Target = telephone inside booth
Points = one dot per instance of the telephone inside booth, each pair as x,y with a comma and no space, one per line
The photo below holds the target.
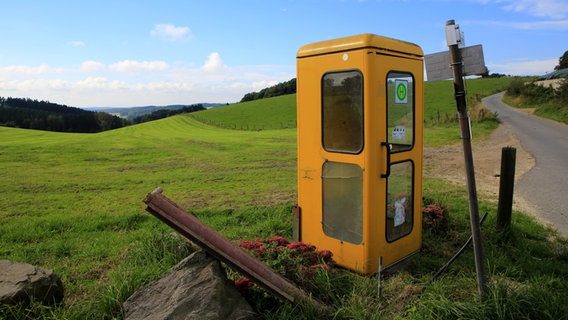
360,141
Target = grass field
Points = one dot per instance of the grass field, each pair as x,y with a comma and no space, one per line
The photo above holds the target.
73,203
264,114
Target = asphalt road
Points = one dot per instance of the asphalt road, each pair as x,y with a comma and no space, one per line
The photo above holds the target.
545,186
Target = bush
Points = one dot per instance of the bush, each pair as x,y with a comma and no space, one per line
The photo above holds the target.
562,91
296,261
549,102
516,87
533,93
310,269
435,219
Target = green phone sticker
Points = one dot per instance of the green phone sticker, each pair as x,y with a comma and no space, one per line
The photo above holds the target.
401,91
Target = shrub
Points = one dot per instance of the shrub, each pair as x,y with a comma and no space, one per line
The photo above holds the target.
562,91
296,261
531,92
435,219
516,87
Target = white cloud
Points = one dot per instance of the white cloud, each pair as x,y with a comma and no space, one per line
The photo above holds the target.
542,25
132,67
92,66
170,32
33,86
533,25
26,71
524,68
214,63
98,83
77,43
94,84
553,13
554,9
259,85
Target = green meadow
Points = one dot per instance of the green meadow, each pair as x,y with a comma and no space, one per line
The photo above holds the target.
73,203
264,114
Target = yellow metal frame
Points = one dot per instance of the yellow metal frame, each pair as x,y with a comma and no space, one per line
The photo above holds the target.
374,56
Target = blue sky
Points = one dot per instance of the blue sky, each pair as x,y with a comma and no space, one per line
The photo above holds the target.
133,53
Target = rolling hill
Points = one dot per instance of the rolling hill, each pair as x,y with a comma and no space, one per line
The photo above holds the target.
133,112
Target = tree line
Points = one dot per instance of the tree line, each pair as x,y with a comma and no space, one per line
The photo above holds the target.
562,61
164,113
44,115
282,88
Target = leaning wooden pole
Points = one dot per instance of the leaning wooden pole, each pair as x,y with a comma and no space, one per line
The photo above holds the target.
221,248
453,37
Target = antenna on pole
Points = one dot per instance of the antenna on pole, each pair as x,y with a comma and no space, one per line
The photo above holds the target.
454,37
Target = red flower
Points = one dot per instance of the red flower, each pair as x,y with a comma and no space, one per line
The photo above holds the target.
243,284
433,210
300,246
310,256
325,255
280,241
297,260
251,244
259,251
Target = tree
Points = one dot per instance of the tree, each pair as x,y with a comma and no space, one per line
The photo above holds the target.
283,88
163,113
562,62
44,115
562,91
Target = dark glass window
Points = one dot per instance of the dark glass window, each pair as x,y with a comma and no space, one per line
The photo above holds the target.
342,111
400,110
400,207
343,201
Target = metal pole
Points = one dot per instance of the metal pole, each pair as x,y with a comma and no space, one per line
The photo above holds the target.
223,249
453,38
379,274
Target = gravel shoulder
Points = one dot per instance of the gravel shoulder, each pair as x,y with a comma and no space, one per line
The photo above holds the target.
448,163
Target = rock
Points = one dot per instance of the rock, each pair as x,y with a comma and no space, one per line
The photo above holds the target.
21,282
196,288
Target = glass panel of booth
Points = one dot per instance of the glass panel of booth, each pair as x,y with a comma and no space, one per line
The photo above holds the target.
399,200
342,196
342,111
400,110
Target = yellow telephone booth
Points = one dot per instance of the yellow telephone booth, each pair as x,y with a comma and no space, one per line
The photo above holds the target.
360,124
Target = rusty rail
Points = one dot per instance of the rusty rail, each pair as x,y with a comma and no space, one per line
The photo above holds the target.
215,244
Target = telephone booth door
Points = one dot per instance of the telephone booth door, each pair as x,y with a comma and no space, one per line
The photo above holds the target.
360,119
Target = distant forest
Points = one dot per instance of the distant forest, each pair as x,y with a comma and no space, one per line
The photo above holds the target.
44,115
282,88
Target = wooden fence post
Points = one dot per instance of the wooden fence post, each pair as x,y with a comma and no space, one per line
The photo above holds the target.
506,187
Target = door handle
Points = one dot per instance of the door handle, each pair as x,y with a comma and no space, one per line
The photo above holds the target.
388,147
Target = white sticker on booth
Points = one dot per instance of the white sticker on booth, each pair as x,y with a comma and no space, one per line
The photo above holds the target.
400,212
399,133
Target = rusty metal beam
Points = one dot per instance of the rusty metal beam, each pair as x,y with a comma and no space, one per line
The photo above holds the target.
218,246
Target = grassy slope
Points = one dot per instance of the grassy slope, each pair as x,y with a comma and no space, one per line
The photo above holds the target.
265,114
72,202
